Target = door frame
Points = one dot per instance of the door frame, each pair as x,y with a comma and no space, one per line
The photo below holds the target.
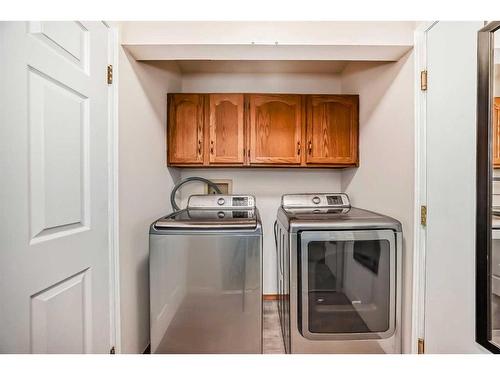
113,203
484,169
420,192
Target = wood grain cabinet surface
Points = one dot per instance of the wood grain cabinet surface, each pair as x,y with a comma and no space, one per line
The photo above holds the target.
496,132
226,129
185,129
262,130
332,129
275,123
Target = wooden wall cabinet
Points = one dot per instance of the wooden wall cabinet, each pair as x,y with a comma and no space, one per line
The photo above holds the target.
259,130
332,129
185,129
496,132
226,129
275,123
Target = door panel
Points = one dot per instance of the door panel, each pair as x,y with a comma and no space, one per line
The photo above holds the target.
185,129
55,331
226,129
275,129
332,129
54,158
58,127
68,38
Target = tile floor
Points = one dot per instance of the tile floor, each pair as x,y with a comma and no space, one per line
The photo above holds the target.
273,342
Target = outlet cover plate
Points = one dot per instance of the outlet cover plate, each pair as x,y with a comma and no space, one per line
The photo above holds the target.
225,186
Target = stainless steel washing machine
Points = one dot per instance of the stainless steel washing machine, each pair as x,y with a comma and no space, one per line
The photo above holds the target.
339,276
206,277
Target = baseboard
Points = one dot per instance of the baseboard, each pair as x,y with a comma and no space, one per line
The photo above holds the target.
270,297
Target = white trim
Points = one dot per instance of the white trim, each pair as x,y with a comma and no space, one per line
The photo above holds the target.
420,193
113,206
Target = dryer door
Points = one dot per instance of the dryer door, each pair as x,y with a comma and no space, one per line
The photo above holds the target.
348,284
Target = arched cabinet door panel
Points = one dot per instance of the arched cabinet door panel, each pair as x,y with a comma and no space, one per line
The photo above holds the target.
332,129
185,128
275,125
226,129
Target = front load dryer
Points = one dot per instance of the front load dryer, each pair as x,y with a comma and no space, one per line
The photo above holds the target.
339,276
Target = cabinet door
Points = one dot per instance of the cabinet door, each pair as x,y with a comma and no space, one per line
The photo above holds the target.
226,129
496,132
332,129
275,129
185,129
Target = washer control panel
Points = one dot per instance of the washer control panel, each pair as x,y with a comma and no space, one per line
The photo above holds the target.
324,200
221,201
222,214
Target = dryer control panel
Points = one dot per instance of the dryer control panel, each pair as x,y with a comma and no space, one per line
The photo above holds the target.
324,200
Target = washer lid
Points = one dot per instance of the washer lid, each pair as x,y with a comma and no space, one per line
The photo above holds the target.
209,219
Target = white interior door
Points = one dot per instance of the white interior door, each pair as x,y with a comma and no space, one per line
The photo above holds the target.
54,258
451,171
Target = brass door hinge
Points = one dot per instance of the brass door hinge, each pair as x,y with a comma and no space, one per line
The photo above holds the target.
423,215
423,80
421,346
110,74
112,350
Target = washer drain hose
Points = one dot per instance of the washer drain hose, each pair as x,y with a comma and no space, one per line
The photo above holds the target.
175,207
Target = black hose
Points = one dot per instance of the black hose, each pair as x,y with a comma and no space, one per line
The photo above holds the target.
189,179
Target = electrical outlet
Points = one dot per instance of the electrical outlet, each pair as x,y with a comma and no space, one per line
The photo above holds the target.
225,186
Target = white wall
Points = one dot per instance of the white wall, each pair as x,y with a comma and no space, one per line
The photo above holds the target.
384,180
307,33
305,83
329,40
144,185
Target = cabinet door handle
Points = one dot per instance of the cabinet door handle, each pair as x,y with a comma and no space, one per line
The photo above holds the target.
310,147
212,147
199,146
298,148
